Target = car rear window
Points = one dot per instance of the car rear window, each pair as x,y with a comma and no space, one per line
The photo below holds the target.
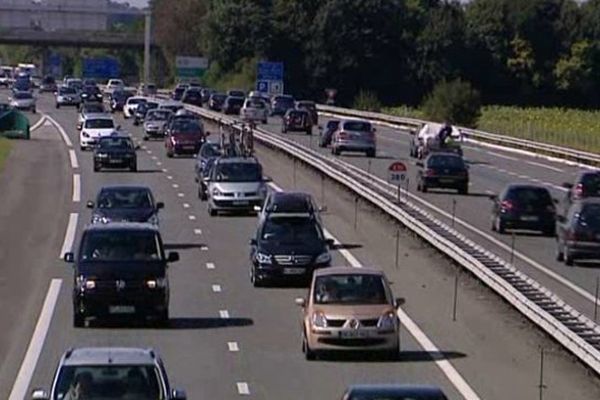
350,289
591,185
94,108
590,216
235,101
100,123
187,125
537,197
444,161
357,126
23,96
67,90
120,245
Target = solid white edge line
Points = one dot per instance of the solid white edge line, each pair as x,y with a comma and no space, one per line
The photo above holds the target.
69,235
243,389
60,130
445,366
19,389
76,188
545,166
73,158
38,124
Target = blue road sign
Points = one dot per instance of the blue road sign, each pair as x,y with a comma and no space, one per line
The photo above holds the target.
262,86
104,67
270,71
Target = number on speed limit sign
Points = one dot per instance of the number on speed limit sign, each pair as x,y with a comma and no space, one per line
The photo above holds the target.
397,173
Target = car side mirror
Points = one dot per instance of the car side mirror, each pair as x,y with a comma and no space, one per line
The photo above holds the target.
253,242
555,201
323,209
160,205
267,179
330,242
178,394
207,133
118,128
399,301
69,257
173,257
90,204
137,147
420,164
561,218
567,185
300,302
39,394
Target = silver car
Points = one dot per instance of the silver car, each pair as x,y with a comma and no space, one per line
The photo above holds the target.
236,184
23,100
155,122
67,96
355,136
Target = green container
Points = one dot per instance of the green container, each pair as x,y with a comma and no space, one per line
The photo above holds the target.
13,123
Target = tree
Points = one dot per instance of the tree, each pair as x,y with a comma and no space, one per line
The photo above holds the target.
574,70
455,102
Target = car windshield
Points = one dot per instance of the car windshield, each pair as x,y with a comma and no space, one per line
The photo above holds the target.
350,289
535,197
91,90
292,230
108,382
158,115
135,101
234,101
23,96
210,150
186,126
284,101
120,245
589,216
48,80
237,172
333,124
67,90
443,161
256,104
218,97
307,106
236,93
357,126
100,123
115,143
124,198
591,185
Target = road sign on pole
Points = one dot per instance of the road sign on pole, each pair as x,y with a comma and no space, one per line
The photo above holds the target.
190,67
101,67
397,173
269,77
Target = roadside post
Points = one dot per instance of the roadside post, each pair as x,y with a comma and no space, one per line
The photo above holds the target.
397,175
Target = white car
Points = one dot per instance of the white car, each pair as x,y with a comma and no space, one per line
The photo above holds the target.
94,127
114,84
254,110
131,105
23,101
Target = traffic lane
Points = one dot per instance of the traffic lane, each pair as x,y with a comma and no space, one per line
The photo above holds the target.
484,182
489,343
33,118
195,340
36,187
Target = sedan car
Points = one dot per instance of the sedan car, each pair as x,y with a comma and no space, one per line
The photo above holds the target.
110,373
94,127
155,123
296,120
177,93
23,101
67,96
578,233
91,93
125,203
522,206
443,171
48,85
232,105
393,392
115,151
142,109
192,96
120,271
354,136
350,309
184,136
327,132
311,107
208,151
290,204
254,110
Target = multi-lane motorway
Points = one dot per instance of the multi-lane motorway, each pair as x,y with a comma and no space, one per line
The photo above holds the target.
227,339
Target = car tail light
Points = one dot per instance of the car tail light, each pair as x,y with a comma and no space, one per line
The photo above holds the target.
578,191
343,135
429,172
579,235
507,205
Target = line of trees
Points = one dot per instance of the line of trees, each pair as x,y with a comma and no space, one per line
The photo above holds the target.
526,52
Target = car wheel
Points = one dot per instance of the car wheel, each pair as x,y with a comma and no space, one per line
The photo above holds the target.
309,131
146,138
96,167
569,260
162,319
423,188
264,121
335,151
463,189
33,110
78,319
169,154
283,130
560,255
309,354
500,226
133,167
211,211
371,153
256,282
57,105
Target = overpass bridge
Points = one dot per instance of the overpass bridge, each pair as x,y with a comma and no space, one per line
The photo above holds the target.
72,38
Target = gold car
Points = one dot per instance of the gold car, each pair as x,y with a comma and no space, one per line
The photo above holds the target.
350,309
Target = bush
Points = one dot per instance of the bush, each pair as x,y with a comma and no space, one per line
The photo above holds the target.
242,76
455,102
367,101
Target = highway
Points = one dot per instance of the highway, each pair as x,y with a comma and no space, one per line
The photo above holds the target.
227,339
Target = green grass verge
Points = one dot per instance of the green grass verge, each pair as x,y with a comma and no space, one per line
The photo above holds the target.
4,150
573,128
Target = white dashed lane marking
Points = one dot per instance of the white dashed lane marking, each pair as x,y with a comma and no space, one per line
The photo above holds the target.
186,205
192,217
197,231
243,389
180,195
210,266
216,288
233,347
175,186
224,314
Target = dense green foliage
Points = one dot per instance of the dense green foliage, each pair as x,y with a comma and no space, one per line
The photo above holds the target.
454,102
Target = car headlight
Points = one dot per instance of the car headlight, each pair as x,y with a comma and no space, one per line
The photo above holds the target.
100,219
85,284
216,192
159,283
387,322
263,258
319,320
323,258
102,155
153,219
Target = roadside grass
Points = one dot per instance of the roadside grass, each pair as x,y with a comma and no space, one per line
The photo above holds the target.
4,150
578,129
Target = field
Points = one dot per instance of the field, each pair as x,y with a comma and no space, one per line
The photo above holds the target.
577,129
4,150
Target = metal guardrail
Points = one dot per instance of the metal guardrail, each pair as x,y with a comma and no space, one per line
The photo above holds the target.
573,330
412,124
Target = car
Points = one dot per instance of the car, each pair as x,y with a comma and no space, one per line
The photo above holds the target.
147,89
296,120
586,185
142,109
311,107
94,127
578,232
110,373
115,151
48,85
131,105
203,176
125,203
23,101
236,93
88,108
74,83
192,96
394,392
216,100
280,104
184,136
177,93
118,99
205,93
155,123
5,77
524,206
120,271
209,150
288,247
232,105
355,136
327,131
67,96
290,204
171,105
443,171
236,184
349,310
91,93
114,85
254,110
90,82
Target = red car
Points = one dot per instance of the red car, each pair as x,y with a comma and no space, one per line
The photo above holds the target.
184,136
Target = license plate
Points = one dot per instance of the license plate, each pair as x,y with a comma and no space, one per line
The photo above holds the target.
121,309
115,161
189,147
354,334
529,218
294,271
240,203
446,180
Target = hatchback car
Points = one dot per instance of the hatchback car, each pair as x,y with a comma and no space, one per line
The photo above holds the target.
184,136
327,131
521,206
142,109
67,96
355,136
443,171
125,203
120,271
209,150
192,96
94,127
311,107
236,184
216,100
23,101
118,100
280,104
155,123
48,84
91,93
254,110
296,121
86,109
232,105
115,151
236,93
393,392
578,233
586,185
177,93
110,373
350,309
